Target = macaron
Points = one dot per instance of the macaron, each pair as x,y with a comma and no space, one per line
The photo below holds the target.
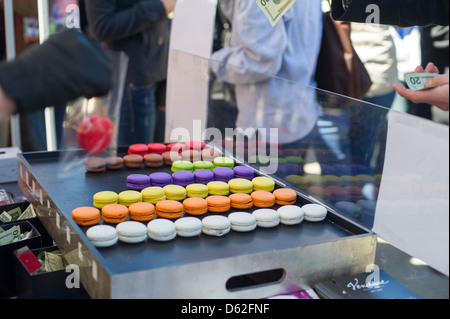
170,156
156,148
241,201
203,176
197,190
188,226
170,209
95,133
263,199
153,194
223,161
223,174
95,164
218,188
114,162
129,197
244,172
183,178
103,198
195,206
138,182
86,216
314,212
240,185
291,214
242,222
266,217
139,149
131,232
176,147
133,161
191,155
216,225
209,154
142,211
160,179
161,230
115,213
182,166
175,192
203,165
153,160
195,145
285,196
262,183
102,235
218,204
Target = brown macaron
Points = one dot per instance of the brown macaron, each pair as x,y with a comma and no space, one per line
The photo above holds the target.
153,160
95,164
133,160
171,156
114,162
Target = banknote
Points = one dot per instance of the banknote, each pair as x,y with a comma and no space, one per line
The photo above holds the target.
275,9
28,213
11,235
416,81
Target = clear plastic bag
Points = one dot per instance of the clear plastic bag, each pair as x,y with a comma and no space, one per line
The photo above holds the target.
90,126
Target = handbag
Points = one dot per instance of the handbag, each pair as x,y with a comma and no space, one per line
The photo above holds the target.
339,69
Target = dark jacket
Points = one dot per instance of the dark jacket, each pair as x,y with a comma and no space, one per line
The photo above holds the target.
402,13
140,28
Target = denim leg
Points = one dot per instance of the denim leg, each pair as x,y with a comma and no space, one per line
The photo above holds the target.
137,116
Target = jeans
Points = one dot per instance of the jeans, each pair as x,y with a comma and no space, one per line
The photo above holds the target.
137,116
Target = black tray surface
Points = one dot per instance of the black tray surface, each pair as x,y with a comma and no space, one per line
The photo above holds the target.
77,190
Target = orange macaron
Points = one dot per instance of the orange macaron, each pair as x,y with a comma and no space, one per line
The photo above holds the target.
142,211
195,206
218,203
170,209
263,199
241,201
115,213
86,216
285,196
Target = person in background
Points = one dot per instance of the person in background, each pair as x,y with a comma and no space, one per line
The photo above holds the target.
404,13
141,30
264,62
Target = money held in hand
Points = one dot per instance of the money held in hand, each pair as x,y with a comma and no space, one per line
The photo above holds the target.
275,9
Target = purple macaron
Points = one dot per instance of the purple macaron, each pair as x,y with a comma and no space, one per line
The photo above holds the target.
138,182
203,176
223,174
244,172
161,179
183,178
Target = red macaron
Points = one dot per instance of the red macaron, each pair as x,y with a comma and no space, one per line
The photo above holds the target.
95,133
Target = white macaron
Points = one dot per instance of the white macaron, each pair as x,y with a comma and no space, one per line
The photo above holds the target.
314,212
242,222
102,235
216,225
266,217
131,232
291,214
161,229
188,226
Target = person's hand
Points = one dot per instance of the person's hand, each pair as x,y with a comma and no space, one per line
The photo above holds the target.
437,94
7,106
169,5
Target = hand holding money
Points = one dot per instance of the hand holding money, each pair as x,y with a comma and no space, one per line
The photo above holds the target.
435,89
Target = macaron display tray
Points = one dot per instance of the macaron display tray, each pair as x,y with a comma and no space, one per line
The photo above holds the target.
257,264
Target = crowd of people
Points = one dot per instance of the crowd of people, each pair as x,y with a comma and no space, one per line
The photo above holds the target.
73,63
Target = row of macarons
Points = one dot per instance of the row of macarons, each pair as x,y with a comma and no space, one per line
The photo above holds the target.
161,229
153,194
